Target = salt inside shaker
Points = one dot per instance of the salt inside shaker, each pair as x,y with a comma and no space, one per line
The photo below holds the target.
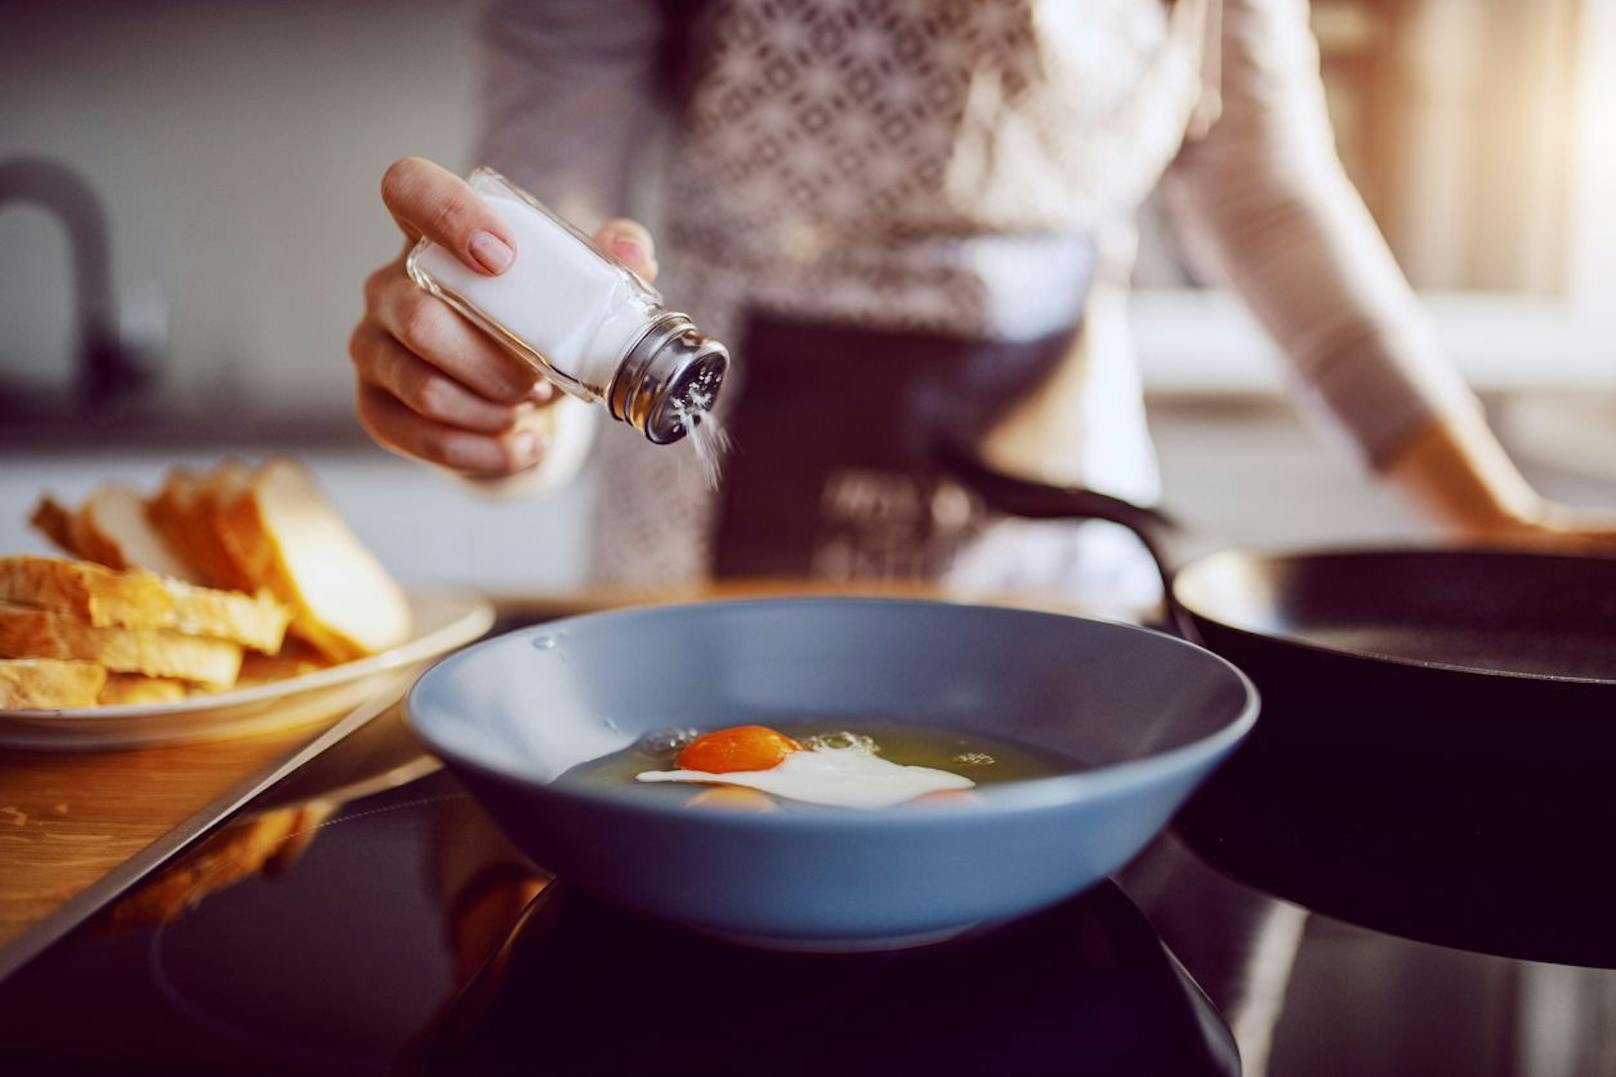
588,325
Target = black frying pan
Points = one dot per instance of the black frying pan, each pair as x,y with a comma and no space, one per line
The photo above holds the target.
1438,743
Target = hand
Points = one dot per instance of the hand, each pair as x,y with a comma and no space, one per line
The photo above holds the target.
1561,529
431,385
1459,473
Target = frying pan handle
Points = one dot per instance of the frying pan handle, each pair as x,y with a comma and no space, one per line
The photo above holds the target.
1166,539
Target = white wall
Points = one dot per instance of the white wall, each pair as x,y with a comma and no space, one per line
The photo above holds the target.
238,147
423,525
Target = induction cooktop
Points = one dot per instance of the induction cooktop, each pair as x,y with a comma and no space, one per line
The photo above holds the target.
363,915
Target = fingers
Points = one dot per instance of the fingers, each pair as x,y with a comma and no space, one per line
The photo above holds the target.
629,243
422,388
1589,525
398,429
425,326
431,385
429,200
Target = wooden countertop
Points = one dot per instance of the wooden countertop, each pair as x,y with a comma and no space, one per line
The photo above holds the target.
72,820
67,819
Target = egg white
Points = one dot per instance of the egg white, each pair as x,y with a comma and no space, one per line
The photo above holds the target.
835,777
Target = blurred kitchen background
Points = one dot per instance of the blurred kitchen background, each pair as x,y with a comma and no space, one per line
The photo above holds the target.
234,150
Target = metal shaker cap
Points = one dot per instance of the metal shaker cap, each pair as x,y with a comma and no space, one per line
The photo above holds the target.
672,374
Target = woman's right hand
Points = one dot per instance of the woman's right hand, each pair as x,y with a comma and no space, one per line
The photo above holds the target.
431,385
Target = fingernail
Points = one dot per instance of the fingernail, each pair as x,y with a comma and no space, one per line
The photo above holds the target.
540,393
628,249
491,252
528,445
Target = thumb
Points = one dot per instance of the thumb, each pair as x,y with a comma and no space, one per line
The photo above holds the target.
629,243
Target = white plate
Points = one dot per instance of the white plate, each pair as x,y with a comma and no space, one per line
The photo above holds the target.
444,619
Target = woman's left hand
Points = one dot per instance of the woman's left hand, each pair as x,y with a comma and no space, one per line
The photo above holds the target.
1557,527
1456,470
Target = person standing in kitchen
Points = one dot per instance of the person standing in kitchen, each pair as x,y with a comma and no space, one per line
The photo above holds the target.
912,219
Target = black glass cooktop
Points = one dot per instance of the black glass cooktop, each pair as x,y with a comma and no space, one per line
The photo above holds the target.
363,916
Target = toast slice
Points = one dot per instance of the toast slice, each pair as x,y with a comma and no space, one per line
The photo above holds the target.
108,599
156,652
288,538
221,487
258,621
122,689
112,529
54,520
48,683
294,660
182,513
257,670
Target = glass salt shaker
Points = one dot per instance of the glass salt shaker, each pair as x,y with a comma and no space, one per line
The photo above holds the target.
586,324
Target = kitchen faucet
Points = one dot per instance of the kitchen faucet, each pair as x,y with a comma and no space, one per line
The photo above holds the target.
109,368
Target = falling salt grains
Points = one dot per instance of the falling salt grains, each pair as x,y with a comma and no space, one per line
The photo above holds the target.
709,440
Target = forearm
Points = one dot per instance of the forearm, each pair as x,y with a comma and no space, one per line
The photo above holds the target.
1274,210
1274,214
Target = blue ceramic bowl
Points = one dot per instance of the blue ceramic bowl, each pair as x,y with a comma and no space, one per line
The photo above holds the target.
1151,714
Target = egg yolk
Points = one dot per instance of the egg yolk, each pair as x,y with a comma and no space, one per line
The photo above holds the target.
742,747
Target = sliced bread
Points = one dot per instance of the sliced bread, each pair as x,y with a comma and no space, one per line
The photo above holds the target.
41,683
54,520
131,688
258,621
33,633
282,531
112,528
138,599
220,488
183,514
294,660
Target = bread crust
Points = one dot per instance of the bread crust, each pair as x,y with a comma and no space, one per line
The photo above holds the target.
33,633
112,528
55,521
108,599
270,553
180,513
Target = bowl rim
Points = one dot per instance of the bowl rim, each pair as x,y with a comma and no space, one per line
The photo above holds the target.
1010,798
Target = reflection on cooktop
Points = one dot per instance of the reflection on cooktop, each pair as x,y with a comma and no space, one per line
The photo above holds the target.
330,965
274,947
